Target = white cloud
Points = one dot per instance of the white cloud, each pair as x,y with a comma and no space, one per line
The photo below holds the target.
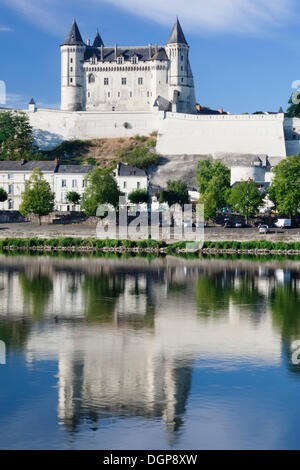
237,16
4,29
16,100
230,16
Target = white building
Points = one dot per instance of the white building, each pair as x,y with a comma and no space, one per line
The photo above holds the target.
130,78
62,179
130,179
258,169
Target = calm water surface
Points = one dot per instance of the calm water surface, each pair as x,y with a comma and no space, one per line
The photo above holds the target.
149,354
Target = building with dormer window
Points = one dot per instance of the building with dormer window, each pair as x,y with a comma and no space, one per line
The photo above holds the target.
139,78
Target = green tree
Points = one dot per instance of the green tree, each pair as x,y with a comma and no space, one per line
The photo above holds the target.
101,189
16,138
294,108
3,195
213,180
176,193
138,196
73,197
246,198
284,191
208,170
210,205
37,198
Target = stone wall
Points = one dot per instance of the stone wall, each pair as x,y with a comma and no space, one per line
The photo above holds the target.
185,134
51,127
11,217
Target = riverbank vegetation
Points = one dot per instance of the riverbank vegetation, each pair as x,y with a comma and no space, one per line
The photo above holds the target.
94,244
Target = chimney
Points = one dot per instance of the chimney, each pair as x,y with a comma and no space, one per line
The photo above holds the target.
156,48
198,107
101,51
150,51
116,51
220,110
88,42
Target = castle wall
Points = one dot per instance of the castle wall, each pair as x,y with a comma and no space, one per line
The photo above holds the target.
184,134
143,83
292,136
178,134
51,127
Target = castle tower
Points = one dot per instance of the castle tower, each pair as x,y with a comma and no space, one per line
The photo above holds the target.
72,74
181,82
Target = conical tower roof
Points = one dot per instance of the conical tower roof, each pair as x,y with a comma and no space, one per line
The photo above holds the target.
74,37
98,40
177,36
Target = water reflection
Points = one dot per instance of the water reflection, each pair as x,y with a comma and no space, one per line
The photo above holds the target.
127,334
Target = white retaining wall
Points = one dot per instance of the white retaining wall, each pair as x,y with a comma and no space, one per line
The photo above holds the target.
179,134
51,127
242,134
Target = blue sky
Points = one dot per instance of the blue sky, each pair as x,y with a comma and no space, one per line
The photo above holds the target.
245,54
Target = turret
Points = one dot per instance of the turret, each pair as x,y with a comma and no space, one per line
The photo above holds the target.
181,82
72,73
98,40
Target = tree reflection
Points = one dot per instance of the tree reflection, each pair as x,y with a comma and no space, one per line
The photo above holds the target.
101,294
213,294
36,291
14,333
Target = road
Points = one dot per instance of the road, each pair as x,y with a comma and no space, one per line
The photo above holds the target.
19,230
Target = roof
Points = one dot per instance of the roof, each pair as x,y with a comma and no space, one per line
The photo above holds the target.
69,169
74,37
32,101
177,36
143,53
126,170
98,40
45,166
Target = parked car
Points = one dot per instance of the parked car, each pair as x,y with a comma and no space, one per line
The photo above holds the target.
283,223
264,229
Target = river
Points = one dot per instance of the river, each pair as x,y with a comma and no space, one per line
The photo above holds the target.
149,353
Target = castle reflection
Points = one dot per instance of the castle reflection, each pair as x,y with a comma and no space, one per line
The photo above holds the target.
126,333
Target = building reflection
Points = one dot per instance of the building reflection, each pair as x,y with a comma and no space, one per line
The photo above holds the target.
127,333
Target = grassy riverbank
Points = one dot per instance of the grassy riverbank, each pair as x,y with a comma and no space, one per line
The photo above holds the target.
93,244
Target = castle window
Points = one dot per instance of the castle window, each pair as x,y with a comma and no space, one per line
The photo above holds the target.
71,69
120,60
124,81
130,94
124,185
71,61
91,78
10,177
106,81
134,60
119,94
108,94
10,189
138,185
182,80
113,108
74,183
182,57
10,204
71,80
140,81
89,95
63,183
